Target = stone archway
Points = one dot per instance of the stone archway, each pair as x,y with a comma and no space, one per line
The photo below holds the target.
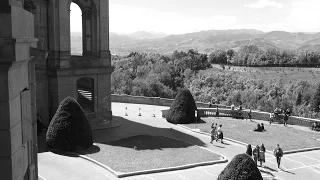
89,26
85,94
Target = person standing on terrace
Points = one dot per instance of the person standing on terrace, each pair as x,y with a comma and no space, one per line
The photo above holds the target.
249,150
217,113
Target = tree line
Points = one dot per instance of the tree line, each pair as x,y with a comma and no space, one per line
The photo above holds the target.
252,55
157,75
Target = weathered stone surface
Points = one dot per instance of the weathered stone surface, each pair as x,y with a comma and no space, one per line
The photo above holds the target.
56,77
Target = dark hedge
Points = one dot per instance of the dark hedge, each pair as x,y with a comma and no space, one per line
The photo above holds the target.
241,167
182,110
69,128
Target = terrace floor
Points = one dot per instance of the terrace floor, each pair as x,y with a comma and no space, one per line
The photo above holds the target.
305,165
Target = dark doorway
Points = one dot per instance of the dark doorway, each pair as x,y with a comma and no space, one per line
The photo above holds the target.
85,88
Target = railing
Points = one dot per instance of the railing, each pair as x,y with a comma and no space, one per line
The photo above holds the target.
259,115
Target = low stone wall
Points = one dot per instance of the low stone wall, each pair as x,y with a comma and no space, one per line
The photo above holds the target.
259,115
124,98
204,111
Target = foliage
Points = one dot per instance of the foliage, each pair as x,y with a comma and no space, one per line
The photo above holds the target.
299,99
156,75
182,110
241,167
315,105
69,127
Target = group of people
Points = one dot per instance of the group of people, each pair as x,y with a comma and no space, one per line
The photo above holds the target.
278,112
216,133
259,128
258,153
315,126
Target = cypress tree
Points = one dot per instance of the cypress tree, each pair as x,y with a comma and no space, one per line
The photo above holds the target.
316,100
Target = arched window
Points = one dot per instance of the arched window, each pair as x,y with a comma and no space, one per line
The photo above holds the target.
76,30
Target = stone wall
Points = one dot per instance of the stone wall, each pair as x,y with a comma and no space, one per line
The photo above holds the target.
148,100
42,96
260,115
18,137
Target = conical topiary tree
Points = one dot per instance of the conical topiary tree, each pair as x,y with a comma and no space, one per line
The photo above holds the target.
69,128
241,167
182,110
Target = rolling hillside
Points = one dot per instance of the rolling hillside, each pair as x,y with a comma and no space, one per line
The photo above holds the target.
208,41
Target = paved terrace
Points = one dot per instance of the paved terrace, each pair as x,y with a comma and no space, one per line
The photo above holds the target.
304,165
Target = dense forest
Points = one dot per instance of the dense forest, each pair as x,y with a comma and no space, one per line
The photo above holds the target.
156,75
252,55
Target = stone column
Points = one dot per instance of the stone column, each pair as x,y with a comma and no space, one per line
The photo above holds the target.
53,30
104,32
87,32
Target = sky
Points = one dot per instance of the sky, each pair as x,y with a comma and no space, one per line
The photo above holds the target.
186,16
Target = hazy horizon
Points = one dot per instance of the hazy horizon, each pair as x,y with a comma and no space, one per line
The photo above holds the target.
127,33
187,16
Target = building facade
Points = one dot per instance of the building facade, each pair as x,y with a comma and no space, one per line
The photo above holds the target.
37,71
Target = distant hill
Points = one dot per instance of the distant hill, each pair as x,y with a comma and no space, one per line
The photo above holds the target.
208,41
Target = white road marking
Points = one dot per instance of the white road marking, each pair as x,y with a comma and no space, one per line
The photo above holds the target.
303,167
183,177
41,177
271,161
295,161
314,170
310,157
209,173
149,177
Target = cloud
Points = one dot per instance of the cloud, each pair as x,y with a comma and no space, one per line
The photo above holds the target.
263,4
304,16
127,19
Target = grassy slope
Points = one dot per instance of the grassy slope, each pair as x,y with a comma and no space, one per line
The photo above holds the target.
242,130
152,152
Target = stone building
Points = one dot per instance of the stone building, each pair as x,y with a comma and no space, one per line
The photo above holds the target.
37,71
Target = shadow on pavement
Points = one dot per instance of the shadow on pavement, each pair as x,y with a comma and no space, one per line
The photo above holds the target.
93,149
266,172
148,142
218,146
131,128
271,169
286,171
42,142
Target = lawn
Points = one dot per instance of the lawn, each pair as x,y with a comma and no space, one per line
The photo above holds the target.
151,152
242,130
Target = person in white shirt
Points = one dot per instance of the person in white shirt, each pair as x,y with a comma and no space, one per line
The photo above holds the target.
220,134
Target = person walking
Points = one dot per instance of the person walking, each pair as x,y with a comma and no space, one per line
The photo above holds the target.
256,154
278,153
262,154
213,132
249,150
220,134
